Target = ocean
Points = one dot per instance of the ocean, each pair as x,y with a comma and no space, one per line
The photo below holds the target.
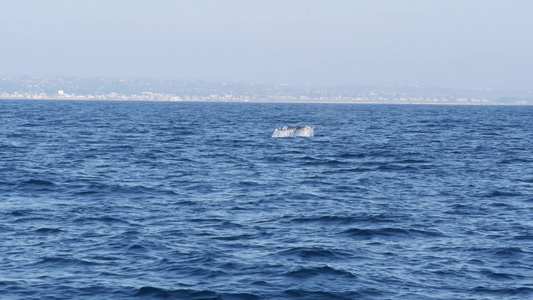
177,200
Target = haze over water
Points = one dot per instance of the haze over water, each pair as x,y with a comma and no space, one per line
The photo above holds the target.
430,43
120,200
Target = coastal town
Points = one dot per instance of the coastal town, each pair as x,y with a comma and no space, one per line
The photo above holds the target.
158,90
150,96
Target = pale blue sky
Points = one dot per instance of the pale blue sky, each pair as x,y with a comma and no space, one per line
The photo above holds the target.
448,43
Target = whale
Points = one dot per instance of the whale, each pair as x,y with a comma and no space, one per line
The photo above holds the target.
294,131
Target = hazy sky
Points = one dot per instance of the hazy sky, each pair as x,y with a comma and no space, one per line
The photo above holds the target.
448,43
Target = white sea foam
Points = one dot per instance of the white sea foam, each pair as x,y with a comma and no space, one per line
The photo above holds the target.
292,131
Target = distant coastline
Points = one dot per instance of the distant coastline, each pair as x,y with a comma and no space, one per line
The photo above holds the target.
71,88
522,103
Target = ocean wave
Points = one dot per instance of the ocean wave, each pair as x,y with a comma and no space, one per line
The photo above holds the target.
239,237
390,232
526,180
501,276
160,293
516,161
502,252
102,219
63,262
315,254
499,193
307,272
352,155
46,230
36,182
340,220
395,167
523,237
348,170
345,220
21,212
522,291
323,162
320,295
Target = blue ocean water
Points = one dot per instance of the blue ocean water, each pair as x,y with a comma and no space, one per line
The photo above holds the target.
153,200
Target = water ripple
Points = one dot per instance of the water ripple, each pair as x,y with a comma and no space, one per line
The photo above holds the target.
121,200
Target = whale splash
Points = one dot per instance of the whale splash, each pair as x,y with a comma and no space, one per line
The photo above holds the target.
292,131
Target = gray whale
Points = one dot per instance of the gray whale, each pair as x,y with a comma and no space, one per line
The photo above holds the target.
293,131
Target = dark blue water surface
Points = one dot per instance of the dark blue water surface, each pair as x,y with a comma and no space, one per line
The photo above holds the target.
119,200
